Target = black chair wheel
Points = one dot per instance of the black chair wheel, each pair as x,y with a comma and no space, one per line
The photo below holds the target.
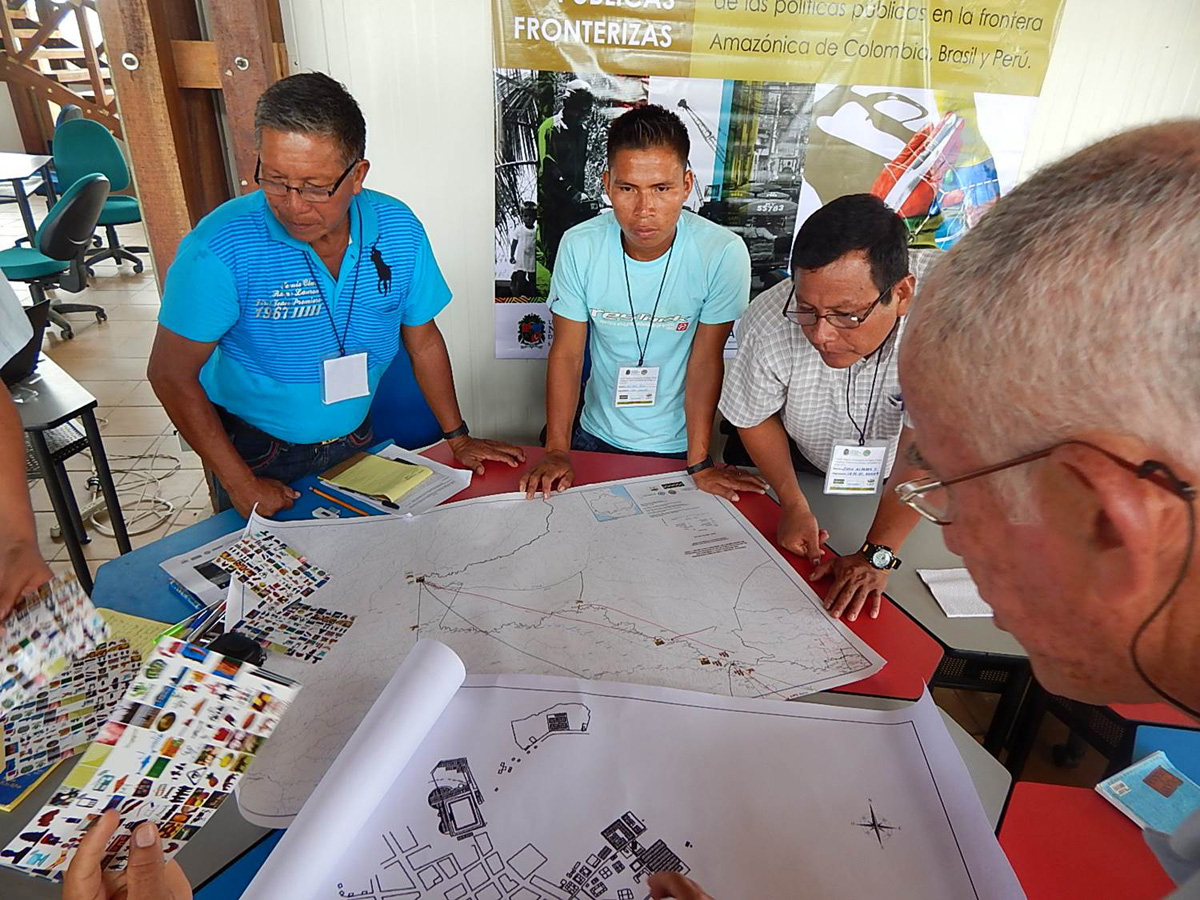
137,268
101,316
91,272
66,334
96,241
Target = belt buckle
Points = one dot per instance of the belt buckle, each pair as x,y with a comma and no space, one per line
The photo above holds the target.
331,441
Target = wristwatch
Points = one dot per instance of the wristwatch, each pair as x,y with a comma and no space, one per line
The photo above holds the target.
879,556
460,431
706,463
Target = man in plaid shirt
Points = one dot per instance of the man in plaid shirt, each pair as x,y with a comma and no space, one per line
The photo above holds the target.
816,373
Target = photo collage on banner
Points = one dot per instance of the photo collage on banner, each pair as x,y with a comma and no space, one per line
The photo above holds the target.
787,105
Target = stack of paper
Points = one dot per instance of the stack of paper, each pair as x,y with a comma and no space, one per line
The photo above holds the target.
377,477
1153,793
955,593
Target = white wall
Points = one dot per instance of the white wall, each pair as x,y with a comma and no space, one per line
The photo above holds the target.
1115,65
421,69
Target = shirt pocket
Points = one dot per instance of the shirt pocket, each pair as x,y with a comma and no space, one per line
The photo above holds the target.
887,420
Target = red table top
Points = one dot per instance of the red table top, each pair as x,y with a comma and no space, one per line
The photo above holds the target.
912,655
1154,714
1069,842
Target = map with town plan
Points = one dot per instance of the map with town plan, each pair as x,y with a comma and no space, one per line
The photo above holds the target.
646,580
534,787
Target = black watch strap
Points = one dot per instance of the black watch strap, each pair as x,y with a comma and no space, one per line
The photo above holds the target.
460,431
706,463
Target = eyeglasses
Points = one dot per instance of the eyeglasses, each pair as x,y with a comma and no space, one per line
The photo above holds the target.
307,193
929,497
806,316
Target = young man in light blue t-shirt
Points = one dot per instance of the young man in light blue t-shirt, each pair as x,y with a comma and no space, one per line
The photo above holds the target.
653,292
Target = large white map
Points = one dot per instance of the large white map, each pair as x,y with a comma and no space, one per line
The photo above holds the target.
528,787
646,580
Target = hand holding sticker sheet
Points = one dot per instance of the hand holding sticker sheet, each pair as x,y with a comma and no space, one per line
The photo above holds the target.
187,729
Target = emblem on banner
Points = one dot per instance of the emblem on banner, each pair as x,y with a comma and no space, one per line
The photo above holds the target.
531,331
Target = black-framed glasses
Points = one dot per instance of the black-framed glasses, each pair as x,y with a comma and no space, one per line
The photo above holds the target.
929,497
307,193
806,316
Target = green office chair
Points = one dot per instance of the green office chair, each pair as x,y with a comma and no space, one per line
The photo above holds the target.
61,242
82,147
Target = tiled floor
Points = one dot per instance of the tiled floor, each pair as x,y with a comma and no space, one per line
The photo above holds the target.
109,359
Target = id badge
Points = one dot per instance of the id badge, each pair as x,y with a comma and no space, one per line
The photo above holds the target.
856,470
636,386
345,377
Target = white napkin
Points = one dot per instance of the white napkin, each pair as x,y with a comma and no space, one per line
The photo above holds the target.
955,593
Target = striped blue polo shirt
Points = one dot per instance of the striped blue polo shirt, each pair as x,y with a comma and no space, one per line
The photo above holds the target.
271,306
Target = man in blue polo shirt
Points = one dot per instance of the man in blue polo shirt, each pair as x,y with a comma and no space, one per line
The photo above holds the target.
284,308
653,290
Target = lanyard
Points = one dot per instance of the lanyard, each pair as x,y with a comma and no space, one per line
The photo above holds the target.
341,339
862,432
629,293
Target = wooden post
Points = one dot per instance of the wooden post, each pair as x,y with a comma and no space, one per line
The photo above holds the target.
143,72
205,175
247,64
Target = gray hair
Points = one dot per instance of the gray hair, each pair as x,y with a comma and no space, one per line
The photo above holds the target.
313,103
1074,305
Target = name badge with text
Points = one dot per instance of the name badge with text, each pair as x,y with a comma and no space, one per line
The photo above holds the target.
856,470
636,386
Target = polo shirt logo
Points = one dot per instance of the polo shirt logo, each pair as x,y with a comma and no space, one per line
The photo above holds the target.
383,270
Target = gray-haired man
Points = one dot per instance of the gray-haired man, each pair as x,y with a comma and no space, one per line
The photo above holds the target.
1051,368
284,308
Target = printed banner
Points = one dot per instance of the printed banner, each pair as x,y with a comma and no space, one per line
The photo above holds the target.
788,105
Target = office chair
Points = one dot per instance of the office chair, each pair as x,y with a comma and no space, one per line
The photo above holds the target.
61,242
68,113
82,147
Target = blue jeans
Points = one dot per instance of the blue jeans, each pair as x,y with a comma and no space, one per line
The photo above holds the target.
585,440
269,457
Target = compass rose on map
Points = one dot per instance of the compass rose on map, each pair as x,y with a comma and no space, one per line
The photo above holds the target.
874,824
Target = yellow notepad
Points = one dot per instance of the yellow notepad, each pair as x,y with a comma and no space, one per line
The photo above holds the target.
141,633
375,476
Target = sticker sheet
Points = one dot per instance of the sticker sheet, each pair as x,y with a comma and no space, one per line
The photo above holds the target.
67,711
42,635
187,729
272,569
303,631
